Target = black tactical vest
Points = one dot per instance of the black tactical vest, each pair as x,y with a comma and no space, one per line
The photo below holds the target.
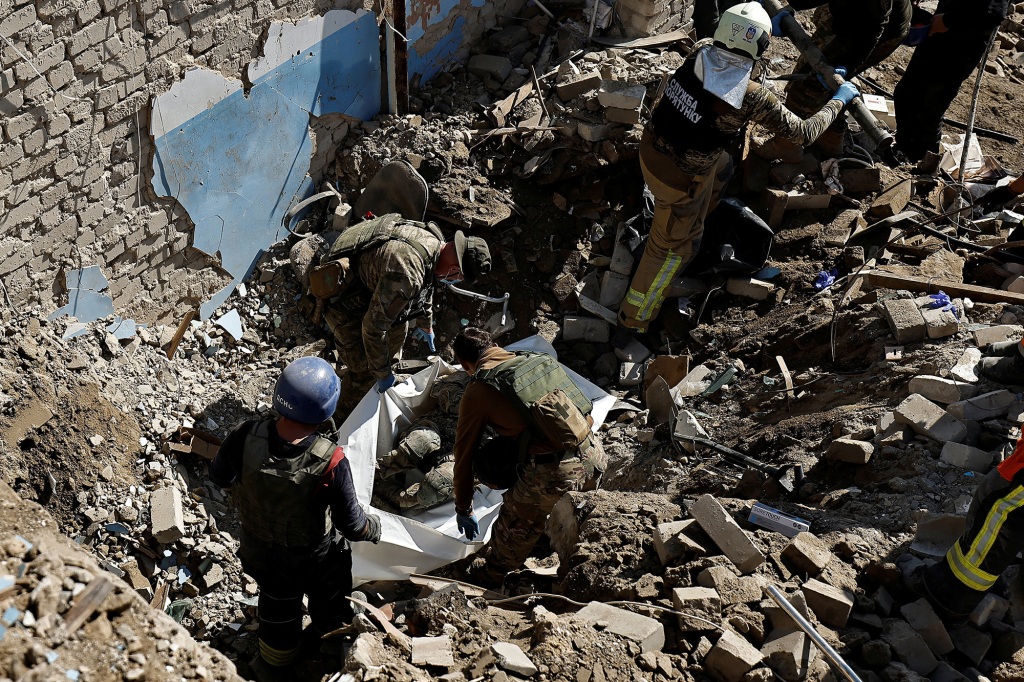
686,114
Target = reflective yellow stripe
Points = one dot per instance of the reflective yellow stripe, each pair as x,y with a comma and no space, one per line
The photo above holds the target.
277,657
634,297
967,568
655,295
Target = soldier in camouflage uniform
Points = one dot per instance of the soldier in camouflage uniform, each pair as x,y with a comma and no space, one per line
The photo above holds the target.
418,447
390,267
537,473
684,152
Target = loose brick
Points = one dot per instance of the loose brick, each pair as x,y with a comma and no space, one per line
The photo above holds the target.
942,390
807,553
966,457
922,617
928,419
647,632
831,604
849,450
971,642
18,20
167,518
790,655
731,658
748,287
909,647
42,62
702,602
893,200
985,406
986,336
905,320
577,85
726,533
671,542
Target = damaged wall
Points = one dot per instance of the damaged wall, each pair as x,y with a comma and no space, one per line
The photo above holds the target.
77,81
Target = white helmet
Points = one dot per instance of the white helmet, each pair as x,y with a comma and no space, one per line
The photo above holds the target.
745,28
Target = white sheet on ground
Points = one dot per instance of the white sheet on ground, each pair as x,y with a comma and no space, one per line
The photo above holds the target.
431,539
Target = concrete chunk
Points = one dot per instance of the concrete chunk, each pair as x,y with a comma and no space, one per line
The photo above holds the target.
966,457
511,658
936,533
940,323
435,651
732,588
575,328
831,604
702,602
909,647
626,116
893,200
985,406
577,85
622,259
928,419
990,608
595,132
621,95
905,320
790,655
731,658
971,642
167,519
671,542
807,553
964,370
495,66
613,289
646,632
634,351
986,336
849,450
922,617
748,287
630,374
726,533
942,390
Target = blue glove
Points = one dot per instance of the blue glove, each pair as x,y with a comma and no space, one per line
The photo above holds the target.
426,336
468,525
777,22
846,92
840,71
385,383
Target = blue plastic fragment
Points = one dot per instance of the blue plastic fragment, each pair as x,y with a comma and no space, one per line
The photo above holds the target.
72,675
11,615
3,631
5,582
768,273
825,279
51,656
117,528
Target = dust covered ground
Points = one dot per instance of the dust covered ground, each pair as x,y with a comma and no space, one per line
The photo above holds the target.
91,427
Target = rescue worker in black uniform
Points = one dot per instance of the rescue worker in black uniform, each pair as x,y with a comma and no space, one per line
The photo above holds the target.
298,510
955,46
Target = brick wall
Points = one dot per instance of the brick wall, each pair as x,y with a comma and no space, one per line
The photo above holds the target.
642,18
75,151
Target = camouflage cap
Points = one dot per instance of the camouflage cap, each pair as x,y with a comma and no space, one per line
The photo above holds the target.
473,254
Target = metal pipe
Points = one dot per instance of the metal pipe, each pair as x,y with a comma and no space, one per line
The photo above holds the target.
593,22
972,113
878,133
831,654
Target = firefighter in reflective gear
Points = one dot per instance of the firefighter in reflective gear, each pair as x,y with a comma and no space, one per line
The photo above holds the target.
522,457
298,510
993,537
389,267
684,150
418,447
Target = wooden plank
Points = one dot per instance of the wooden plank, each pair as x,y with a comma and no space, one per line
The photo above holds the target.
179,334
87,603
786,376
437,583
650,41
402,640
980,294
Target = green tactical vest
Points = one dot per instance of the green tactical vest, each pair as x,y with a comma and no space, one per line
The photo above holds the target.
527,378
372,233
276,494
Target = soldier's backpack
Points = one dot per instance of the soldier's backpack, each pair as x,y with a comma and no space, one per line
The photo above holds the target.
334,275
553,406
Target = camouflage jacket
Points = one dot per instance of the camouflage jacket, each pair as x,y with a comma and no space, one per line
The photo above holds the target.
760,105
394,286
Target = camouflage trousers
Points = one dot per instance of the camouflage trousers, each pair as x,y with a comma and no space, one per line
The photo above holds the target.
525,509
348,337
401,497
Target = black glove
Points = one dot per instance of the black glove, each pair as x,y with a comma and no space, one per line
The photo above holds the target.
996,199
371,532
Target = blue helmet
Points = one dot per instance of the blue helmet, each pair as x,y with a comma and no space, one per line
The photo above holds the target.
307,391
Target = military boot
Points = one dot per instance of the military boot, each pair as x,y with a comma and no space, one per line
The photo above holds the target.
1006,369
1004,348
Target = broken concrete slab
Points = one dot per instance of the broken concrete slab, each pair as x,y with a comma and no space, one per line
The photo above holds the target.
849,450
985,406
575,328
966,457
726,533
893,200
905,320
966,366
789,654
941,389
621,95
986,336
939,323
922,617
702,605
647,632
936,533
831,604
433,651
908,646
732,657
807,553
622,259
731,587
928,419
634,351
578,84
624,116
490,65
613,289
671,542
595,132
991,607
971,642
686,429
748,287
513,659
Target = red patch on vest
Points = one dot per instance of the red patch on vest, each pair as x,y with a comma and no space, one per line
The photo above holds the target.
1012,465
328,476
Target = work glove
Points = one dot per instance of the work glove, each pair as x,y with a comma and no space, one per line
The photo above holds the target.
426,336
777,21
846,92
385,383
996,199
371,532
840,71
468,525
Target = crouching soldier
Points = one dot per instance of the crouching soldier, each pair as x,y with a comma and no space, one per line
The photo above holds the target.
418,447
544,449
298,510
